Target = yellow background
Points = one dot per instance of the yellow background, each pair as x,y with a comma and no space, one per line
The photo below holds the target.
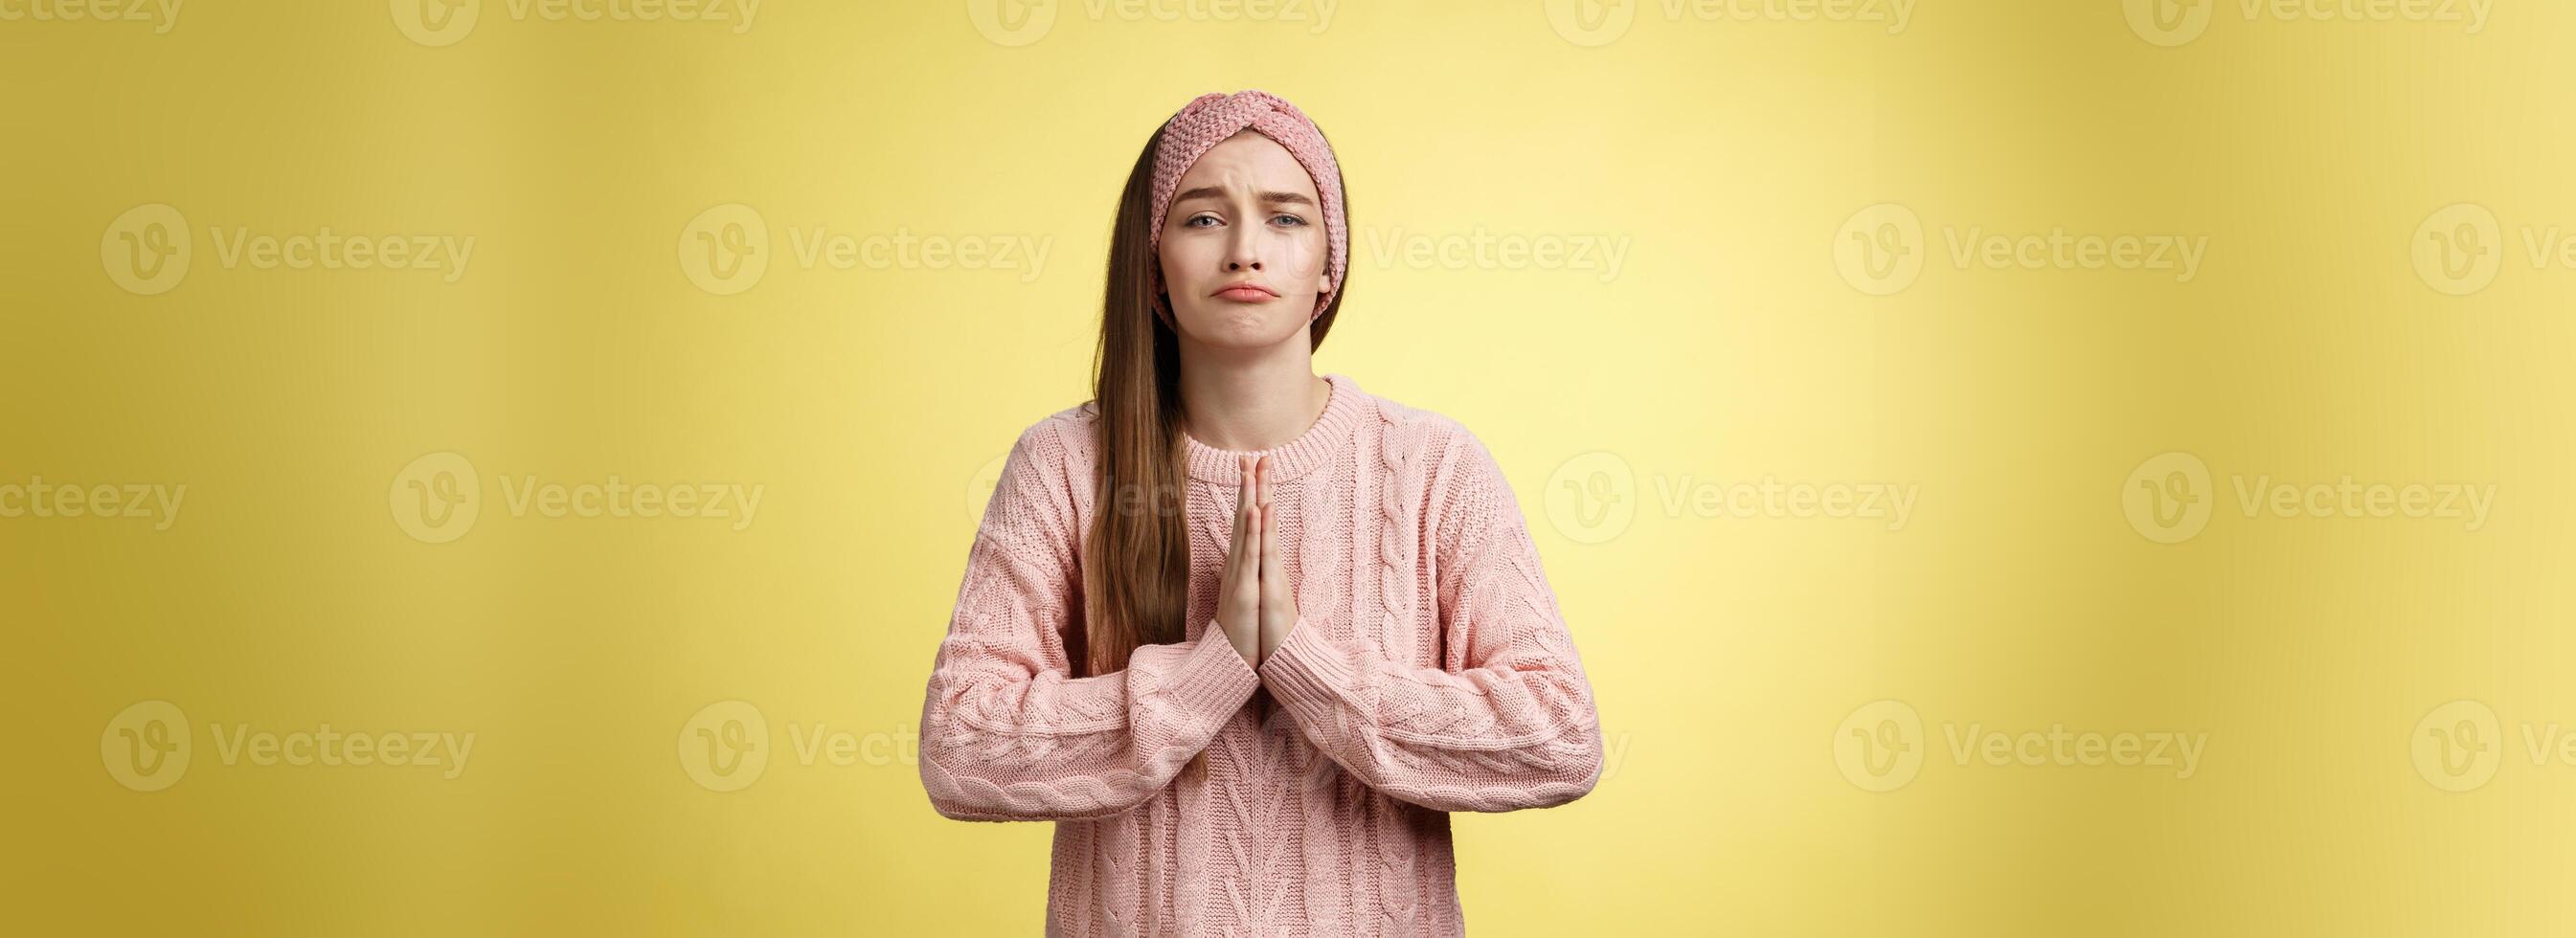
871,403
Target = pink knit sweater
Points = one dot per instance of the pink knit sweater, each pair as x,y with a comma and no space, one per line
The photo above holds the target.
1193,794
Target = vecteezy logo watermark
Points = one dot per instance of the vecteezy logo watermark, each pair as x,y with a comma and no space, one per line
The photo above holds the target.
37,498
1012,23
438,497
1880,250
2461,248
147,250
1015,23
163,15
1592,497
2459,745
2169,497
148,747
1600,255
446,22
725,746
1601,22
1880,747
2175,22
726,249
2168,22
436,23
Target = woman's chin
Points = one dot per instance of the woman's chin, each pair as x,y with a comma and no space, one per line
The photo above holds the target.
1242,325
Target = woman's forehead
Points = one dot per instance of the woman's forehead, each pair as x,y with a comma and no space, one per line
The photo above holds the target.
1250,157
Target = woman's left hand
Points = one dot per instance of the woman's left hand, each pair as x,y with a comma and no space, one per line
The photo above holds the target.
1278,596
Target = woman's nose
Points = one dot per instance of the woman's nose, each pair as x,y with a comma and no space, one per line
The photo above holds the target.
1242,251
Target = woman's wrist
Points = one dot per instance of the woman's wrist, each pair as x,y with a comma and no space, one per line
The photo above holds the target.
1273,636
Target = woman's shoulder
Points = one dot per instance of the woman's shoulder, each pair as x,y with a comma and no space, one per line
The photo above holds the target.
1060,442
1430,439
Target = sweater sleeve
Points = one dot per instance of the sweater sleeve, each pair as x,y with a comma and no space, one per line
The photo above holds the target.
1007,733
1507,722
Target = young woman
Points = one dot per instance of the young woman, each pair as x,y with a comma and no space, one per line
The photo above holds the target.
1244,633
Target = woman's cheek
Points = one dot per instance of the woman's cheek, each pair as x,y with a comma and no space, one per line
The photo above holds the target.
1180,272
1311,276
1305,257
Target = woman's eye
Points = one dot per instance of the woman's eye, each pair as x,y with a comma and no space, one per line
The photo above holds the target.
1195,220
1288,219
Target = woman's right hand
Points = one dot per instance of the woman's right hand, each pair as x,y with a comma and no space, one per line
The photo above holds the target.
1238,593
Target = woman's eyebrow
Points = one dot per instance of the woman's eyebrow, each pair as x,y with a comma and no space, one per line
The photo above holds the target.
1218,192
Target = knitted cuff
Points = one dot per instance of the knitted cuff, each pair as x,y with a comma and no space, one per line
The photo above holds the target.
1306,669
1213,680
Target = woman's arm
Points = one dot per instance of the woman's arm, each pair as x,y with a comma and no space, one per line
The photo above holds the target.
1006,733
1509,724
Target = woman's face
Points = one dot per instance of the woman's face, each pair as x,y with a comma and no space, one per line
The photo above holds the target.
1244,247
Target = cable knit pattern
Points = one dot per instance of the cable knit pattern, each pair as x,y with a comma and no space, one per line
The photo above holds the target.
1430,671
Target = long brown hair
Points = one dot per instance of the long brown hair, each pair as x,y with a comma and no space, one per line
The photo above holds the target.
1136,565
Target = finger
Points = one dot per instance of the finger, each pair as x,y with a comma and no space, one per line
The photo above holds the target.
1274,575
1247,575
1235,555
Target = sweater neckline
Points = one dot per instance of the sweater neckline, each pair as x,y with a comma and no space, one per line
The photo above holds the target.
1294,458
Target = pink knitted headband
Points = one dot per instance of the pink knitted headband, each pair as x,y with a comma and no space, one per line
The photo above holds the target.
1208,121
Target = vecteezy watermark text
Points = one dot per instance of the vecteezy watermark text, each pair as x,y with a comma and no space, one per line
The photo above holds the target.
147,250
1013,23
1881,747
1601,22
38,498
2176,22
2169,498
438,498
1601,255
163,15
1592,497
725,250
437,23
148,747
1881,250
726,745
